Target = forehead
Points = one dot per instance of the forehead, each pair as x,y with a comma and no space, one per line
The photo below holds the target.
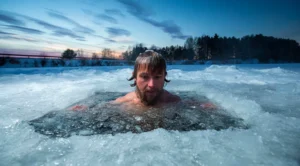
148,69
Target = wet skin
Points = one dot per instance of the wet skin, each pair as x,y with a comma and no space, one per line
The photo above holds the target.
149,85
149,91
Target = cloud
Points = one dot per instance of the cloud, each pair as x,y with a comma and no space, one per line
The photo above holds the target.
115,12
78,28
81,39
101,17
53,14
59,31
7,18
122,39
167,26
18,38
110,40
144,14
6,33
66,32
136,9
116,39
24,29
105,39
56,30
106,18
117,32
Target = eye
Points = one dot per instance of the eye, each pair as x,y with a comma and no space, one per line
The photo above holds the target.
158,77
143,76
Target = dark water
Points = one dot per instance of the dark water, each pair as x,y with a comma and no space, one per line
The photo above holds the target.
105,118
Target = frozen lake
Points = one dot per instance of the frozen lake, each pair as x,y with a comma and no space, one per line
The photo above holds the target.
265,96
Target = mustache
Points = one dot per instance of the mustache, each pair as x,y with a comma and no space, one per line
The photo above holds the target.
141,95
151,90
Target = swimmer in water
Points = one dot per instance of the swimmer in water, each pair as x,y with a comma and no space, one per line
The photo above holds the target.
149,78
148,107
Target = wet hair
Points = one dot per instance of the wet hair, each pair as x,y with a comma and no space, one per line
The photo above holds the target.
152,61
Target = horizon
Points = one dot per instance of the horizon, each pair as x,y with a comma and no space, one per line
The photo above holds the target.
51,27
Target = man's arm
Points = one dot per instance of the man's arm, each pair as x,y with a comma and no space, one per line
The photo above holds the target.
206,105
128,97
80,107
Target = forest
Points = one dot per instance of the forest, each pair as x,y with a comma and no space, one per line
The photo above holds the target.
263,48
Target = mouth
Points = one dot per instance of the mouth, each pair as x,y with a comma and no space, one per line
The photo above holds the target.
151,92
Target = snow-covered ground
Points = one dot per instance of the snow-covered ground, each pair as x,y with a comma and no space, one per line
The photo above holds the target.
265,96
48,62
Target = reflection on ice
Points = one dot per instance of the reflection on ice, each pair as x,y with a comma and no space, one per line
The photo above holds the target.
105,118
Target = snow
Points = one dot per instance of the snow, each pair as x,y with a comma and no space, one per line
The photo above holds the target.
48,62
265,96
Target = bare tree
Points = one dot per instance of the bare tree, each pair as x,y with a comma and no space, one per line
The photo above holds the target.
95,56
79,53
106,53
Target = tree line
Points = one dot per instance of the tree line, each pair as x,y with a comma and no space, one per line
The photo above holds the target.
70,54
263,48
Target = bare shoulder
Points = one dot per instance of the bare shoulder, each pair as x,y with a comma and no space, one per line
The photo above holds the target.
169,97
128,97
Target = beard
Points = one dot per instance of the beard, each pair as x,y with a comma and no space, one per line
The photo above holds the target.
146,100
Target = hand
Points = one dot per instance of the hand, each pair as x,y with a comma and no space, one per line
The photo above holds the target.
208,106
78,108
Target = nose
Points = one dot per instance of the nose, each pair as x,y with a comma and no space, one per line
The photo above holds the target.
151,83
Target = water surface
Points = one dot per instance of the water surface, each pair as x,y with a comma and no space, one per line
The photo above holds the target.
266,97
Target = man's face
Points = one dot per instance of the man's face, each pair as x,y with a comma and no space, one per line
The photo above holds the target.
149,85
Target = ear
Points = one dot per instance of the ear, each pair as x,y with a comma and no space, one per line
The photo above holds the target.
132,75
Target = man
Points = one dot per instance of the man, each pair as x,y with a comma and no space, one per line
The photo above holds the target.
134,112
149,77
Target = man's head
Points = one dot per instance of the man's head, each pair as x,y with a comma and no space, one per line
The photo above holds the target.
149,76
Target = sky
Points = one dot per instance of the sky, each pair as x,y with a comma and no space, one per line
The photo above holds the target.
51,26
